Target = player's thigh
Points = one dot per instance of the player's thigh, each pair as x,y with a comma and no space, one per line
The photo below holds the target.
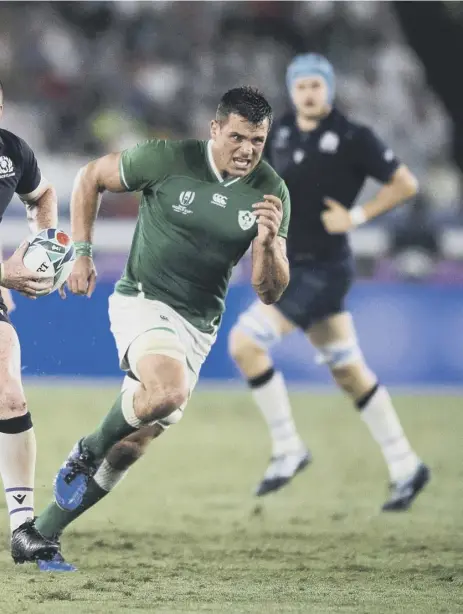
155,344
335,328
12,399
150,348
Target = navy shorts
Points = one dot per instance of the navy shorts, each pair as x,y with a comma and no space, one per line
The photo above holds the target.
315,291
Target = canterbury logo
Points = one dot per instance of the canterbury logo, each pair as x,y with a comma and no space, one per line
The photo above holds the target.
19,498
220,200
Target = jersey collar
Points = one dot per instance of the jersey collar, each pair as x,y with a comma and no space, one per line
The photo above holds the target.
213,167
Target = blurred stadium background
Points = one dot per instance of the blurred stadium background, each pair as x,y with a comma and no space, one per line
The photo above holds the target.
182,533
91,77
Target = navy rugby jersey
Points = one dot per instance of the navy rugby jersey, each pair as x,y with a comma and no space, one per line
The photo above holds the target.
332,161
19,171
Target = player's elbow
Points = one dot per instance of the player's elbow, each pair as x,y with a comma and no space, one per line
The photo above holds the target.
407,182
89,174
268,296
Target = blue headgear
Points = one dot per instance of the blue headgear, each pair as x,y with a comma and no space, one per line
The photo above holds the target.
308,65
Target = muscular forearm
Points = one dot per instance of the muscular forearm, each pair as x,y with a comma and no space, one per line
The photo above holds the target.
270,271
403,186
85,202
43,213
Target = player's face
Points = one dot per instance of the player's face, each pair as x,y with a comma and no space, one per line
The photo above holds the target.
310,97
238,145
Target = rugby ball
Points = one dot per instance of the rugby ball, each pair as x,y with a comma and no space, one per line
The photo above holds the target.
51,253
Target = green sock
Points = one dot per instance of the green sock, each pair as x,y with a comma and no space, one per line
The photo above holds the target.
53,520
118,423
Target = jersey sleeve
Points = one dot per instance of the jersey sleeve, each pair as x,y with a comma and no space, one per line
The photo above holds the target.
145,164
31,176
286,201
373,157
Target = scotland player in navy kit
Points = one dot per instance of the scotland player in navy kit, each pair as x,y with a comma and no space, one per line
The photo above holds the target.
19,173
324,159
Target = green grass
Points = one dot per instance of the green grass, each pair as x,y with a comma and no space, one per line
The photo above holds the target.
183,534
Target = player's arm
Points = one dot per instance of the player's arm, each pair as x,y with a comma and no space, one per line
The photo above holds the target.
401,186
90,183
132,170
5,293
38,195
270,268
42,212
376,160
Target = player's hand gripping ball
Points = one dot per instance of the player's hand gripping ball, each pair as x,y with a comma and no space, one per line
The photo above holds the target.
51,253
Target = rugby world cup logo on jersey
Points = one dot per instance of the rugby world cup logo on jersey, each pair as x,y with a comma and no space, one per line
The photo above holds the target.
6,167
185,199
246,219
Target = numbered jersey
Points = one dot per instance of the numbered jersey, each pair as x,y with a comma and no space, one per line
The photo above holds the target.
193,225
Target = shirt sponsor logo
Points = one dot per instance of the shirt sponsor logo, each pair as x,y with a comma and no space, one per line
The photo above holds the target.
329,142
246,219
6,167
185,200
220,200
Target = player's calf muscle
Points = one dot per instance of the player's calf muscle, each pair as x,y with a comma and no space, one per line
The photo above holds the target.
125,453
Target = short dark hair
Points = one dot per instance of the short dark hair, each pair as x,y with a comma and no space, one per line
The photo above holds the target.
248,102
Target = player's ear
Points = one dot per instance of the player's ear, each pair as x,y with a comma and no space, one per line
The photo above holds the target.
214,128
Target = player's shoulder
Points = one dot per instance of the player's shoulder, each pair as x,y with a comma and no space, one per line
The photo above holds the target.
351,128
11,143
172,147
266,179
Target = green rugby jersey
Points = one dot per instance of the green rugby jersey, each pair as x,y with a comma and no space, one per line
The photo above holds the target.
193,225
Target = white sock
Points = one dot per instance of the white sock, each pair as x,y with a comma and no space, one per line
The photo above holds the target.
273,402
384,425
17,470
107,477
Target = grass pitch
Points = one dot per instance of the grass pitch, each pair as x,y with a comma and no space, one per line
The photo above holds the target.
183,534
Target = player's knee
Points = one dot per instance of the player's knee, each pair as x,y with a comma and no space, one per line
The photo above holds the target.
354,379
242,348
12,401
346,378
164,398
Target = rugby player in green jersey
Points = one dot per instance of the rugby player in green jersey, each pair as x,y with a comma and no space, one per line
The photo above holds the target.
204,203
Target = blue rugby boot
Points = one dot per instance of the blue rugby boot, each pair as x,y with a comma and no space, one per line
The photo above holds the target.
72,479
56,563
